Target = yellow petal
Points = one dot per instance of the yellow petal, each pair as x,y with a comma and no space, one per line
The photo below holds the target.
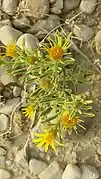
41,144
46,147
59,143
38,134
37,140
53,147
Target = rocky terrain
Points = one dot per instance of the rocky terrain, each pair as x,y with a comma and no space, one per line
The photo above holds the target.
33,20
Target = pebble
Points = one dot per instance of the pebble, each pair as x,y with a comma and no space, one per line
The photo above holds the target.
21,158
98,42
9,105
5,22
89,172
2,162
9,35
7,93
83,32
6,79
4,122
71,4
57,6
55,10
28,40
9,6
48,24
2,151
21,24
16,91
88,6
53,171
38,8
4,174
72,172
37,166
52,1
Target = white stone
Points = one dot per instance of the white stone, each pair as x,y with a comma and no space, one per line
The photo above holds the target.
27,40
89,172
70,4
37,166
4,174
55,10
9,35
72,172
6,79
9,6
16,91
84,32
4,122
38,8
53,171
88,6
9,105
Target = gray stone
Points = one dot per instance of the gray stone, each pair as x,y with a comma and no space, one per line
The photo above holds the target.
48,24
21,158
70,4
72,172
37,8
2,151
37,166
52,1
16,91
88,6
4,174
6,93
98,42
5,22
9,105
22,23
6,79
4,122
53,171
9,35
27,40
83,32
9,6
55,10
89,172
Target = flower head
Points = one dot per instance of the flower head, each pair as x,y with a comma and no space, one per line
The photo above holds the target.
11,50
29,111
58,46
45,83
70,123
31,60
47,139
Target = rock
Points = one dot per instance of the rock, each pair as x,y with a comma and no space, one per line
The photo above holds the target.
70,4
9,105
37,8
72,172
21,158
22,24
2,162
37,166
4,122
9,6
16,91
54,10
9,35
6,79
89,172
98,42
4,174
48,24
2,151
57,6
83,32
7,93
52,1
28,40
5,22
88,6
53,171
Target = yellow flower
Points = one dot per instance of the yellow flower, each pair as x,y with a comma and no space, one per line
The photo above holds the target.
29,111
31,60
58,46
45,83
47,139
70,123
11,50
